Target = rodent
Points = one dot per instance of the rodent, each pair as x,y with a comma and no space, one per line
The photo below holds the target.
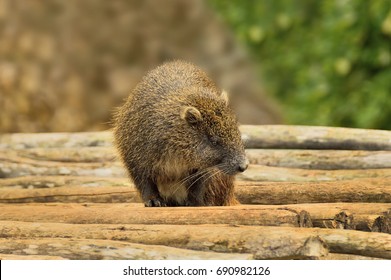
179,139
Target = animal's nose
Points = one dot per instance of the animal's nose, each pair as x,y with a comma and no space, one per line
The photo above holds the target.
243,166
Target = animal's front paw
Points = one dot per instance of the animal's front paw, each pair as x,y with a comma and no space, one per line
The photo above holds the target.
155,202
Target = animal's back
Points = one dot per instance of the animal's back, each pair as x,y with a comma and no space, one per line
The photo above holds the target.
170,77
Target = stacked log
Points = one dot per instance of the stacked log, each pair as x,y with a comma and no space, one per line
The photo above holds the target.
309,193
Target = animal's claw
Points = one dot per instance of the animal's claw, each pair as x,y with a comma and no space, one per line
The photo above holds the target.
155,202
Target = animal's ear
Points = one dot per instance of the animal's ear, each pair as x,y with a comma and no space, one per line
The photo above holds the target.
191,114
224,95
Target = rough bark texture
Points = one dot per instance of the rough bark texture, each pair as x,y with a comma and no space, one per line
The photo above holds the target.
320,159
95,249
138,214
314,137
113,190
261,242
282,174
306,159
255,137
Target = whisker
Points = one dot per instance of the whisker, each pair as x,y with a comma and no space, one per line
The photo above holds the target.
189,177
208,171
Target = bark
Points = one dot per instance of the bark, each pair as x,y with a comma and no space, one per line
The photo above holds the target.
314,137
320,159
250,240
281,174
88,249
56,140
72,154
307,159
261,242
335,256
359,216
113,190
255,136
365,190
14,166
29,257
138,214
324,215
42,182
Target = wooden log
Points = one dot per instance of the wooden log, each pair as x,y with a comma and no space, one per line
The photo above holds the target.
254,136
14,166
70,194
327,215
320,159
358,216
70,154
42,182
314,137
116,190
29,257
95,249
56,140
335,256
262,242
307,159
216,238
138,214
281,174
363,190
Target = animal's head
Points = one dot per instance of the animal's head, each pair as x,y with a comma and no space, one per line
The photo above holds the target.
213,128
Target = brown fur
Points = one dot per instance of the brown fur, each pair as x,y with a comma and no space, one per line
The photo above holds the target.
178,138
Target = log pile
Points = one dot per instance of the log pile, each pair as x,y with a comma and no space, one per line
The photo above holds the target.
309,193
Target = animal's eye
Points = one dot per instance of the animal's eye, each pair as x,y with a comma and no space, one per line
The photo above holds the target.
214,140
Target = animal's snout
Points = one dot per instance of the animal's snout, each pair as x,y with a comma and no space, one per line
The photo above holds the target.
243,166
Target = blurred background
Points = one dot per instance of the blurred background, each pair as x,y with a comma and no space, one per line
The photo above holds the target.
65,65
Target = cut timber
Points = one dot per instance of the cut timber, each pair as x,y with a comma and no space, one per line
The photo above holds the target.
42,182
88,249
261,136
138,214
314,137
308,159
15,166
281,174
335,256
73,154
359,190
29,257
70,194
55,140
325,215
94,189
256,241
320,159
359,216
262,242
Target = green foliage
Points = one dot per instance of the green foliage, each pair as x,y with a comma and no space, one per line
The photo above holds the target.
328,62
